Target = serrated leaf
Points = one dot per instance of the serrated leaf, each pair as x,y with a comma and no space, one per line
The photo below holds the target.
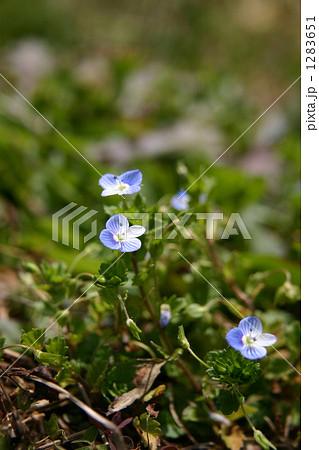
57,346
34,338
112,275
230,367
65,376
51,359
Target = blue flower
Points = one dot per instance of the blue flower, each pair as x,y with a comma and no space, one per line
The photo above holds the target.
165,315
180,201
127,183
249,339
118,235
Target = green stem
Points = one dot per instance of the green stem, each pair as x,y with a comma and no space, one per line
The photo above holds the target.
245,412
123,307
197,357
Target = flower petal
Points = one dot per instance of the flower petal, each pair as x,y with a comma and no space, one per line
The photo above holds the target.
180,200
107,239
132,177
266,339
117,224
109,191
253,352
108,180
135,231
234,338
131,190
251,326
130,246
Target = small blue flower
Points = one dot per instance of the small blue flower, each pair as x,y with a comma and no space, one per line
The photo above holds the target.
118,235
249,339
127,183
203,197
180,201
165,315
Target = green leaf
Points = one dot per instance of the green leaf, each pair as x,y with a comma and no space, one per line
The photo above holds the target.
112,275
30,266
140,278
24,399
139,203
90,434
227,402
98,366
149,430
57,346
34,338
156,248
87,347
89,437
2,342
54,273
51,427
65,376
51,359
230,367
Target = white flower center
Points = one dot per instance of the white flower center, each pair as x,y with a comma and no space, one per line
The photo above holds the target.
122,186
119,237
249,340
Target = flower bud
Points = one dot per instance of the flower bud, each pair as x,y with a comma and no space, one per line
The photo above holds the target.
134,329
165,315
182,338
261,439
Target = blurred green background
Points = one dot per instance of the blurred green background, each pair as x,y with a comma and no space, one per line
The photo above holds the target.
145,84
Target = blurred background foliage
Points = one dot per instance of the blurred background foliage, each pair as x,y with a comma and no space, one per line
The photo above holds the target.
145,84
165,87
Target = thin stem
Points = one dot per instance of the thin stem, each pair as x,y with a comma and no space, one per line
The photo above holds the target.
197,357
245,412
123,307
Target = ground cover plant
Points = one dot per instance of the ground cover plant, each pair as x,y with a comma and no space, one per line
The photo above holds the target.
170,317
117,371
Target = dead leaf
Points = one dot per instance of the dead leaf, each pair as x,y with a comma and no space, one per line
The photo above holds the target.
235,439
150,373
151,410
